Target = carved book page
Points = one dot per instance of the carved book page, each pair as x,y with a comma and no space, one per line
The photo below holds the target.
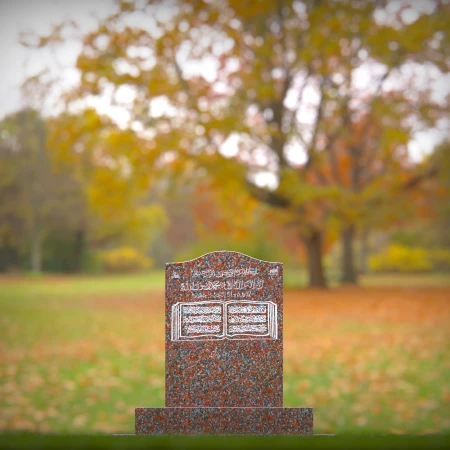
217,320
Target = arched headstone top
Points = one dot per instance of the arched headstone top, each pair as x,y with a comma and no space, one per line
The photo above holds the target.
224,295
222,264
221,254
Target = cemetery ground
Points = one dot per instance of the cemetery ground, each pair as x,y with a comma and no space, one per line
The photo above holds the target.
78,354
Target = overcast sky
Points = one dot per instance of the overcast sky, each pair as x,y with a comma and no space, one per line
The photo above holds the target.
40,16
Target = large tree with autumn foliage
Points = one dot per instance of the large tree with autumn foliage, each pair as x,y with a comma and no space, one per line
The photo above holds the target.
320,97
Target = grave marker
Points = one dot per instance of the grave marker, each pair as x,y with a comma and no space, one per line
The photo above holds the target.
224,351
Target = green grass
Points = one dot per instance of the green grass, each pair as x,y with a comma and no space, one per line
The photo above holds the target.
407,280
61,285
27,440
72,358
298,278
79,354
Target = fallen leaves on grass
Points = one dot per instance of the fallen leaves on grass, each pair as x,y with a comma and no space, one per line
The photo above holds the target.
377,354
364,358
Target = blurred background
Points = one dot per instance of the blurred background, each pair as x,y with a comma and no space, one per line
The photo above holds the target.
135,133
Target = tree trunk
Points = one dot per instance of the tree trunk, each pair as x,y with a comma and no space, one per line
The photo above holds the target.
313,244
364,250
78,250
348,266
36,248
9,256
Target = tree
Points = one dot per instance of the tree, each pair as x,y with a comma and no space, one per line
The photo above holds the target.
442,198
27,182
286,83
12,223
58,185
116,206
431,204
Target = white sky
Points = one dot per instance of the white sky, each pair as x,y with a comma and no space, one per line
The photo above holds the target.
40,16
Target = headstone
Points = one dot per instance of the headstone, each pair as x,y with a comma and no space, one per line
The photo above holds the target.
224,351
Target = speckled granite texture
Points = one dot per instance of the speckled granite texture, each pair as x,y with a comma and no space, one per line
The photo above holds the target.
224,351
224,421
233,370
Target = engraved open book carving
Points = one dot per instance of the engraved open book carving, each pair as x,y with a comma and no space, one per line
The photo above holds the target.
224,320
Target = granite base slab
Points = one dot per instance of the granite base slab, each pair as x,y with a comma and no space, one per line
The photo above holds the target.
275,421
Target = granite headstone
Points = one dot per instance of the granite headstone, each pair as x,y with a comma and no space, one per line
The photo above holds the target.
224,351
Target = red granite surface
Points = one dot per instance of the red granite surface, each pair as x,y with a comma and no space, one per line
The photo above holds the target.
224,421
235,371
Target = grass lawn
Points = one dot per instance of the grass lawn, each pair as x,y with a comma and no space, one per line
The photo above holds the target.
356,442
78,354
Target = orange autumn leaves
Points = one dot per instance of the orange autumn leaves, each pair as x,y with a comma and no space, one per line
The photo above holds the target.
371,359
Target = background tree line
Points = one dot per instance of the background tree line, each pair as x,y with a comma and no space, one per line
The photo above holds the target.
283,124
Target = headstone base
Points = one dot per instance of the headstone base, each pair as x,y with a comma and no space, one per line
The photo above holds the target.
224,421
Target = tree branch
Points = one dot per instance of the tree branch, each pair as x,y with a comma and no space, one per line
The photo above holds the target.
269,197
312,145
416,180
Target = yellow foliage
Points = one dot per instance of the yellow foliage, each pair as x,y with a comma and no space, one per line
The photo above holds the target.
400,258
124,259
